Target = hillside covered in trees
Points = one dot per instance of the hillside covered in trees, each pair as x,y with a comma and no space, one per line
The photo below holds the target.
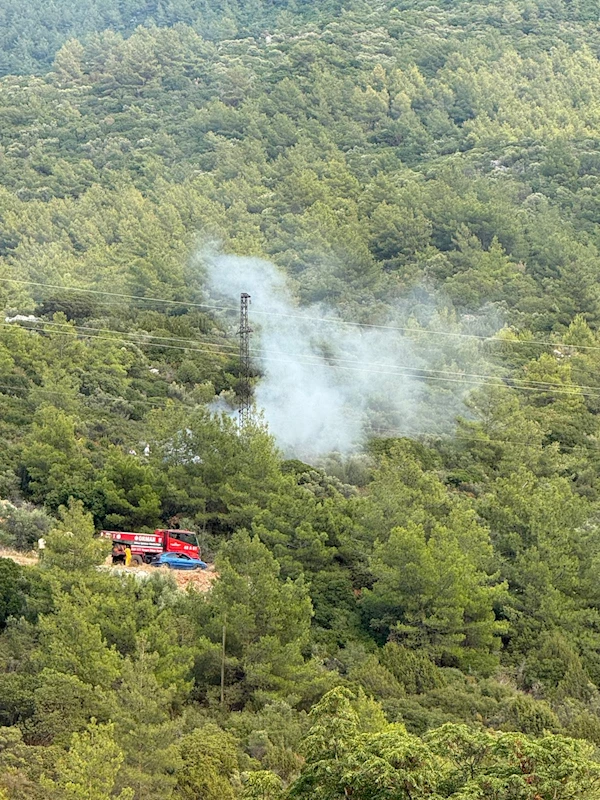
418,617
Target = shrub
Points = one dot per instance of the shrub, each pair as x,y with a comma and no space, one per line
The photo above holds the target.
411,668
23,526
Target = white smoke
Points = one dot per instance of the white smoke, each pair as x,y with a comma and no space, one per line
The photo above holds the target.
326,385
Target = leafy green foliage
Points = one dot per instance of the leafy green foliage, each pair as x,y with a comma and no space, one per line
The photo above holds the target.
88,770
22,527
209,762
453,761
12,597
436,603
71,543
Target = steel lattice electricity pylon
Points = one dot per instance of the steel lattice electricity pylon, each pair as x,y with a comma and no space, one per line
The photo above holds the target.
245,410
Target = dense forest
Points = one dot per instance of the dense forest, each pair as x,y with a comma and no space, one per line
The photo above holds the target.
416,617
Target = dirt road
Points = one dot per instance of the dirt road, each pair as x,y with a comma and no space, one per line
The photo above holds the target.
200,580
24,559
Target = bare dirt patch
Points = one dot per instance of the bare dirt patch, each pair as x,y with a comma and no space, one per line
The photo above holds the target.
200,580
24,559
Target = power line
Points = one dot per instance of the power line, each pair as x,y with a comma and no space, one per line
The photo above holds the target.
229,349
80,395
307,318
394,432
145,298
140,335
391,432
316,362
223,348
141,338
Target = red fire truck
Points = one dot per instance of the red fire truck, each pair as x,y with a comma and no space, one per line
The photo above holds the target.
144,546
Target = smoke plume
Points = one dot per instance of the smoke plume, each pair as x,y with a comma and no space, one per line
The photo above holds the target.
327,385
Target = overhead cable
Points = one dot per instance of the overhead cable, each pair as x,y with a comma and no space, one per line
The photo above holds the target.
308,318
318,362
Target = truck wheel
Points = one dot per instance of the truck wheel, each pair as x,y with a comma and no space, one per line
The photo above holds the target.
137,561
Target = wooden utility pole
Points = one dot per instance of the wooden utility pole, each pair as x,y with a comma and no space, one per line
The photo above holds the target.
223,659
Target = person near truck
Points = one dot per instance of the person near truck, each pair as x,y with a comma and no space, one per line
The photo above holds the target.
118,553
127,556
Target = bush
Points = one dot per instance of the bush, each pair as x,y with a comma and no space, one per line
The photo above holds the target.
12,590
531,716
413,715
557,666
411,668
23,592
585,725
23,526
376,680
